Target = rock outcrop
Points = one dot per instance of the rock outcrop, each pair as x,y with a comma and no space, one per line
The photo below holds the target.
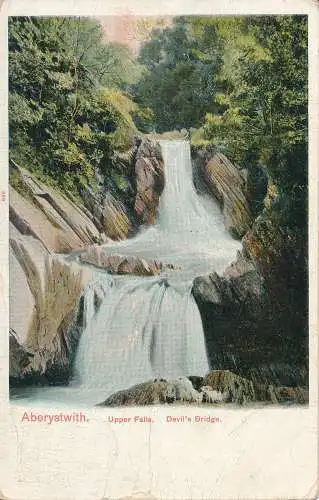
217,387
114,219
54,324
121,264
143,169
47,215
35,235
230,306
149,172
155,392
233,387
228,185
240,192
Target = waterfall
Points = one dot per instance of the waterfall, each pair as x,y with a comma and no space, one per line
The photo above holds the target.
150,327
183,218
142,330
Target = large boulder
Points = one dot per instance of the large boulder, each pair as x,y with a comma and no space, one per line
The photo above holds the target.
155,392
244,336
230,306
235,389
149,172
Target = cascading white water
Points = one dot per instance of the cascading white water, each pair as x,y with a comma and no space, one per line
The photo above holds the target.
183,218
190,231
147,327
142,330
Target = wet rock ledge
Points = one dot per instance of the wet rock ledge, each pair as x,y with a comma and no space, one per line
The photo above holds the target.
122,264
218,387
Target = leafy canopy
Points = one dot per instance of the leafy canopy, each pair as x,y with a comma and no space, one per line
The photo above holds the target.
67,109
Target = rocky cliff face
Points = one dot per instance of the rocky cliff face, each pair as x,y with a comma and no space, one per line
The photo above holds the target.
227,184
43,351
56,221
240,192
42,222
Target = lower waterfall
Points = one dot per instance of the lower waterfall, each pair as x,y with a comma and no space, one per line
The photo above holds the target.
140,328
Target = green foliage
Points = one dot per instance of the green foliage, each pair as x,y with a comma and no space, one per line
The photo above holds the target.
20,186
176,84
263,98
121,109
241,82
144,119
67,113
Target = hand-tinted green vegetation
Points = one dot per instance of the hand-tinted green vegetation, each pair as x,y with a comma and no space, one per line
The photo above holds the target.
239,83
241,80
68,108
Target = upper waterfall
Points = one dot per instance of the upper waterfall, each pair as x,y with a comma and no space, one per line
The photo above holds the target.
182,215
189,231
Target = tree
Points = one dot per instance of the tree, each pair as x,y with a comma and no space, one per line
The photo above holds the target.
64,123
176,84
263,98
